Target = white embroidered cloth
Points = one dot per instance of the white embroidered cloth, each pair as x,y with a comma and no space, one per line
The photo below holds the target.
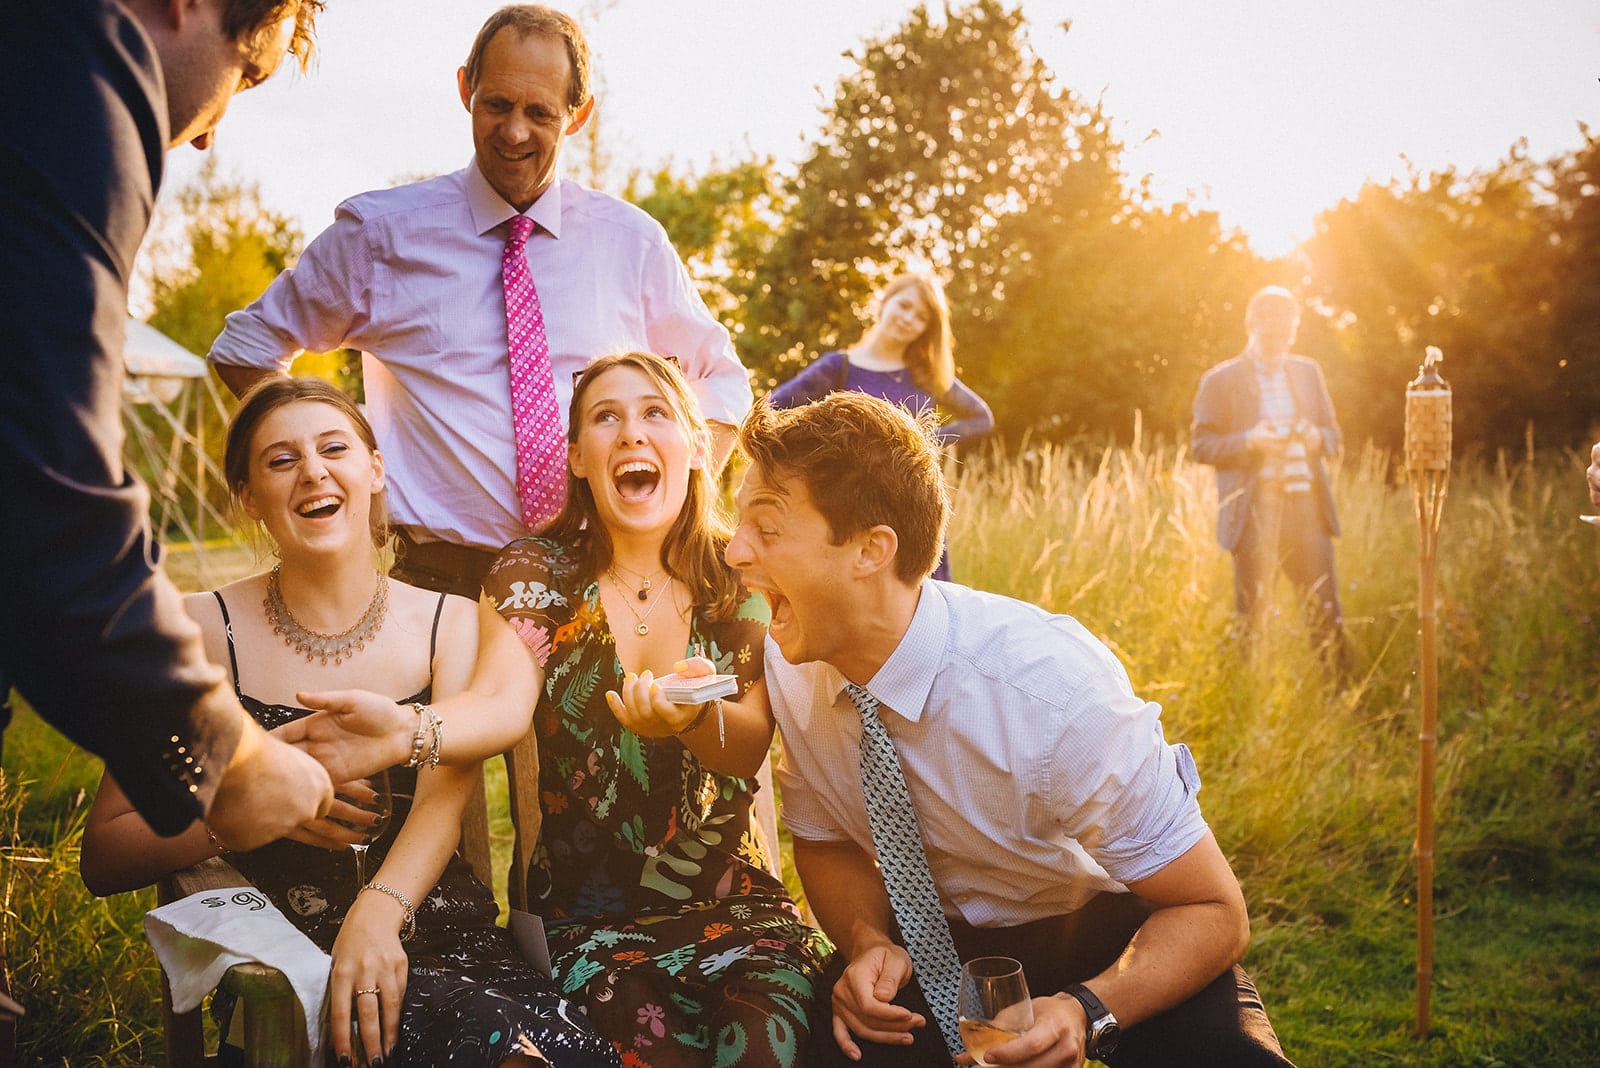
200,937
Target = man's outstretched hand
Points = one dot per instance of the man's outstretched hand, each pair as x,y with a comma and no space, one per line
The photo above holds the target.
268,789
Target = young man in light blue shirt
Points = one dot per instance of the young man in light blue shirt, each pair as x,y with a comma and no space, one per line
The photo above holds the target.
1059,826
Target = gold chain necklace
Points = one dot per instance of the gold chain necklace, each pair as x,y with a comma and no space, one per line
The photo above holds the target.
644,580
640,627
313,644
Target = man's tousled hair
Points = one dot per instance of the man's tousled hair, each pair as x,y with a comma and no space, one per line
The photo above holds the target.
865,463
243,19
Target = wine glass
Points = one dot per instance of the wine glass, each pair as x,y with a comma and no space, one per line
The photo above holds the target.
993,1005
383,806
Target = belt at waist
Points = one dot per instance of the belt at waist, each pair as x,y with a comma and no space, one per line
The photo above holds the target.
442,557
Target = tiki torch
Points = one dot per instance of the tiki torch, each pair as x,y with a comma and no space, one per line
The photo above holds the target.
1428,472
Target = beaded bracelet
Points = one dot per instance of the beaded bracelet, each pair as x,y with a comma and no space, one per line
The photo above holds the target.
436,728
424,713
211,836
408,927
430,729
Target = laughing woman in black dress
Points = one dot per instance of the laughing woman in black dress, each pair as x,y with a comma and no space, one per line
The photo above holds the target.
419,967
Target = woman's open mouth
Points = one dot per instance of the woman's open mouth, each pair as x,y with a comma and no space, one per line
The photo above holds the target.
319,507
636,479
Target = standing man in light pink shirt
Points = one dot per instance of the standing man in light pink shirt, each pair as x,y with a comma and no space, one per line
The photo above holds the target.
412,277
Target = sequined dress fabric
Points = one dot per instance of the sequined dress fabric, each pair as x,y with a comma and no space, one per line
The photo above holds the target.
470,997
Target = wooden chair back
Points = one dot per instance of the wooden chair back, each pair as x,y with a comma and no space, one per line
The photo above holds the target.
274,1035
522,797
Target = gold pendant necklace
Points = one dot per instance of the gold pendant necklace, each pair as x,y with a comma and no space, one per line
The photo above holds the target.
644,580
313,644
640,627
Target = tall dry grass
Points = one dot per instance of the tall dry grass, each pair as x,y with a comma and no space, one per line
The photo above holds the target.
1309,784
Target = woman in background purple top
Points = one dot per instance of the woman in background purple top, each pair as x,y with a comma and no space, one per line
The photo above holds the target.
904,358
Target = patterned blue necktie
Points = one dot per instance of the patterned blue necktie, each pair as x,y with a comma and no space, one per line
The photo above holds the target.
904,863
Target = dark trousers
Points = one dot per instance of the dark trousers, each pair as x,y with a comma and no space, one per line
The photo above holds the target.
1223,1025
441,566
1304,552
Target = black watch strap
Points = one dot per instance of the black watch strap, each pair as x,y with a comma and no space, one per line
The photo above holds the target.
1103,1028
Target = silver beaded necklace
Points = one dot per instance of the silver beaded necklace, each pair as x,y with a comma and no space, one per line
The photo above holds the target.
313,644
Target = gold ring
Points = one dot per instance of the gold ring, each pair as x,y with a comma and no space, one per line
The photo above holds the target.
368,990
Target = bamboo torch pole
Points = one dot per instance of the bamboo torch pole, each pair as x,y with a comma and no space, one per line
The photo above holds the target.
1428,472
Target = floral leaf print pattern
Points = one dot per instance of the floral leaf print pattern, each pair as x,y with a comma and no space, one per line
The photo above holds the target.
731,1045
755,609
535,637
676,960
531,595
680,949
726,959
577,693
631,753
650,1017
684,857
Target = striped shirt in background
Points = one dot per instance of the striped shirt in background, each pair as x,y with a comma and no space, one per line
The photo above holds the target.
1277,407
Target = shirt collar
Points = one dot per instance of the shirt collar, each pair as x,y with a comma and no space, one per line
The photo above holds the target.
490,210
905,680
1262,365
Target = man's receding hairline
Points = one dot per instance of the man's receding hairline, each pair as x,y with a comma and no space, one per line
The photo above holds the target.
524,33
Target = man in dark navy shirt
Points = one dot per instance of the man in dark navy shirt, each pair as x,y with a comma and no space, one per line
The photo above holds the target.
92,632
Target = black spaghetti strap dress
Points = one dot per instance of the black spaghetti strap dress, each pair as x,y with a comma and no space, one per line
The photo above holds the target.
470,998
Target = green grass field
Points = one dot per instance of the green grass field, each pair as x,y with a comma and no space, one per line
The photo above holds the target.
1310,786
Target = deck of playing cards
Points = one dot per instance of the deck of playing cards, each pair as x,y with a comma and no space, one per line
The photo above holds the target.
697,689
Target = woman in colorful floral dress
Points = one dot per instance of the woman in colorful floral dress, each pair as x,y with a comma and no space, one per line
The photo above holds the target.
662,918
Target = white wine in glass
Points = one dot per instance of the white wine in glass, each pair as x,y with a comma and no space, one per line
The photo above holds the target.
994,1005
383,806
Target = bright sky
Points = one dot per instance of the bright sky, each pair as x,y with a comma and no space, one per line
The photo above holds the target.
1267,110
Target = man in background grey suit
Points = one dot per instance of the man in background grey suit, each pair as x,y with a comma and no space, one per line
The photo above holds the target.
1265,421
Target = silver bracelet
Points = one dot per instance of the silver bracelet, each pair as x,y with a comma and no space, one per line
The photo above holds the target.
211,836
418,739
408,926
436,728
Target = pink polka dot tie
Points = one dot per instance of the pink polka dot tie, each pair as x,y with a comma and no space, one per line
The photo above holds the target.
541,446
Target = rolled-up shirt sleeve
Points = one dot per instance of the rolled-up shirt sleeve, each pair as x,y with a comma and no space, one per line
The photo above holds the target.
318,305
1119,789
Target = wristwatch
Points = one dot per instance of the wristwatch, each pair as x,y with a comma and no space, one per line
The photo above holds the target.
1104,1031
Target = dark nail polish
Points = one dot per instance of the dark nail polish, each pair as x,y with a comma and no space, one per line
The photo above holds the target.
344,1061
377,1062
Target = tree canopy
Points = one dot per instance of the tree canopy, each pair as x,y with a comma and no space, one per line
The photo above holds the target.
1080,305
1077,300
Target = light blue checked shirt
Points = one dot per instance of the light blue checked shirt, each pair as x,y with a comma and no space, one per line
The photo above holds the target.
1037,776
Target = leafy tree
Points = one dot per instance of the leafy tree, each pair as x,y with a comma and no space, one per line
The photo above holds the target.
1575,301
231,248
723,224
1077,300
1109,305
946,128
1462,261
